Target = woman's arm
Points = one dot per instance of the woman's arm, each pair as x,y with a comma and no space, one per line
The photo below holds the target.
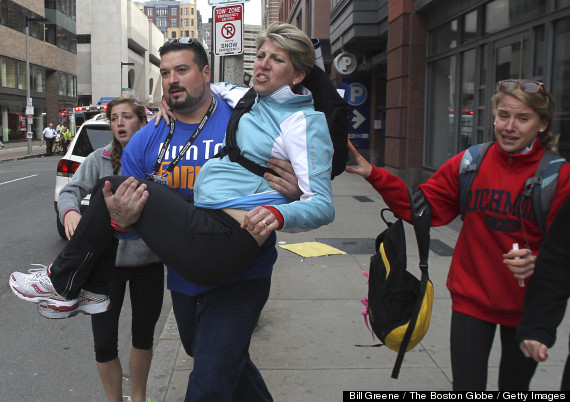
81,184
307,143
441,189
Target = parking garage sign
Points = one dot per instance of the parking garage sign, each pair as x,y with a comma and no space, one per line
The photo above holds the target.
228,25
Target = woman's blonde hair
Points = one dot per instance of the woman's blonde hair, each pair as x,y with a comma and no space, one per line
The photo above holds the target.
290,38
139,110
542,102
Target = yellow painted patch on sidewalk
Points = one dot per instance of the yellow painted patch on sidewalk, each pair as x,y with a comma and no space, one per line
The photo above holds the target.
312,249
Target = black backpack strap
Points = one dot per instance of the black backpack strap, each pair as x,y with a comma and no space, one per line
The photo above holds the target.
421,216
231,148
468,168
542,186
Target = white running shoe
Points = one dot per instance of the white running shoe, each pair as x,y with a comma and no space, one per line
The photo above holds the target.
35,286
87,303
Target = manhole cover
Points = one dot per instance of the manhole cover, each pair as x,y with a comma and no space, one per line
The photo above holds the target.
350,245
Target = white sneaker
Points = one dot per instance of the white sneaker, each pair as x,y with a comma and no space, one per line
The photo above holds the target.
35,286
87,303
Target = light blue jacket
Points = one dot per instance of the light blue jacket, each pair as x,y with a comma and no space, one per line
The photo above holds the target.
283,125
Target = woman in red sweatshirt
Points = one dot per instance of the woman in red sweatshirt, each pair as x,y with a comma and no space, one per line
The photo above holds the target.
484,292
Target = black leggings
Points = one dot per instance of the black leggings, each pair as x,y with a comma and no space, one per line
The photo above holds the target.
205,246
471,341
146,289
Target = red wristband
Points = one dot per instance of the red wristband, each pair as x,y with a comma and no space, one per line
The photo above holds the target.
120,229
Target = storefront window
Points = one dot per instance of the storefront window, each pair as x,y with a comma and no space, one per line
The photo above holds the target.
502,14
440,112
443,38
467,100
469,32
561,84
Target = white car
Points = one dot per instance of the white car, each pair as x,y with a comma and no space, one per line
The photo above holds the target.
94,133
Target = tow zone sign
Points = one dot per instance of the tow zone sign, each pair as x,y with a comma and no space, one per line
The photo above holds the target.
228,23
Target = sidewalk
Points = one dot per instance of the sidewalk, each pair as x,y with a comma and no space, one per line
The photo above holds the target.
19,150
305,341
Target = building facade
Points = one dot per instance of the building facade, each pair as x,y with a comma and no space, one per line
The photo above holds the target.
52,56
117,52
188,24
420,73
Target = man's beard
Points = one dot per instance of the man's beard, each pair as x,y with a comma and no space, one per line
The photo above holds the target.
186,105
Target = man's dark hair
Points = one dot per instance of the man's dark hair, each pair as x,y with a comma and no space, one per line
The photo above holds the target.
200,55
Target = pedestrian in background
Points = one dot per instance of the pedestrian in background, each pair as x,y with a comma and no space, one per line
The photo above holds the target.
66,137
135,265
484,293
49,135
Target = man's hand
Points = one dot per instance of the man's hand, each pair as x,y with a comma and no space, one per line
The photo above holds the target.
287,184
70,222
534,350
126,205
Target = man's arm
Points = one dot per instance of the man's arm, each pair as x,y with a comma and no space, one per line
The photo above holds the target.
287,183
126,205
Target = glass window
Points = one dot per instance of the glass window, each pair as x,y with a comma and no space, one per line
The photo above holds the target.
539,51
37,78
3,12
21,74
149,12
62,88
8,73
508,62
467,102
440,112
173,22
186,22
443,38
561,84
563,3
173,12
469,27
501,14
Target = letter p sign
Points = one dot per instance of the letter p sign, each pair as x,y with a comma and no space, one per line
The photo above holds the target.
345,63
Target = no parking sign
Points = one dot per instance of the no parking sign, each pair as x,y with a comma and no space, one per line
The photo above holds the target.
228,25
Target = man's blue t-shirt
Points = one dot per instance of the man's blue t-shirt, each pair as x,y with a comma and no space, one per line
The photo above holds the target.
141,154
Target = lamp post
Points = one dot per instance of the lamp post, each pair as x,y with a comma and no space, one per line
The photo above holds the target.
29,107
124,64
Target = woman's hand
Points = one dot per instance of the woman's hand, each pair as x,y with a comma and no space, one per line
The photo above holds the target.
260,221
534,349
70,222
520,263
164,113
287,184
363,167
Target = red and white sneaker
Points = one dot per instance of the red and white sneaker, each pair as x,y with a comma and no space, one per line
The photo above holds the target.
35,286
87,303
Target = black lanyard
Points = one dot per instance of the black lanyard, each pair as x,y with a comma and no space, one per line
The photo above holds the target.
189,143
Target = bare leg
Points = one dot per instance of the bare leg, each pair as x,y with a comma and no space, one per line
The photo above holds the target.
111,375
139,365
